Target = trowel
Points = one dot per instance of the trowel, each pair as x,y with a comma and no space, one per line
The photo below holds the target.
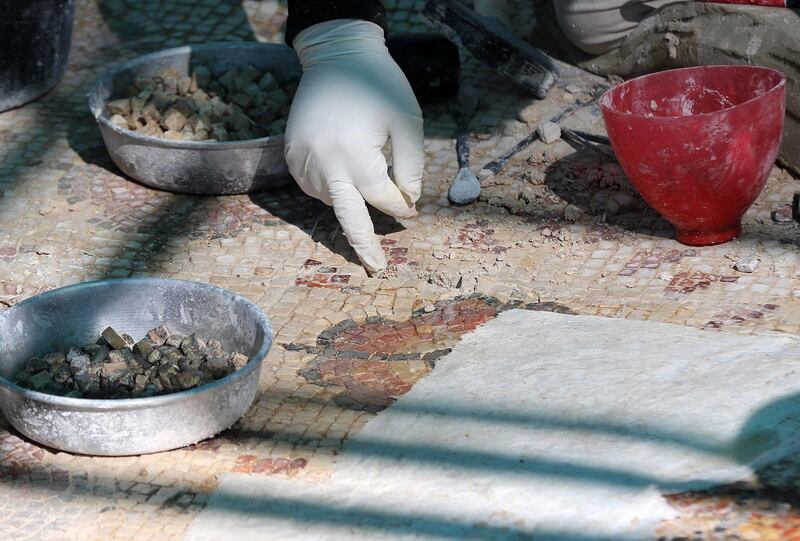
466,187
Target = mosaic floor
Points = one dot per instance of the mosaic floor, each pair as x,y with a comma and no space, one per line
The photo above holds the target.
559,229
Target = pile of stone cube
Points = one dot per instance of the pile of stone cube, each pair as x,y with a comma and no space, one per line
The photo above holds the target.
117,367
244,103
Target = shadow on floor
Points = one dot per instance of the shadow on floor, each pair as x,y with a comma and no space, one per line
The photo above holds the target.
776,482
599,188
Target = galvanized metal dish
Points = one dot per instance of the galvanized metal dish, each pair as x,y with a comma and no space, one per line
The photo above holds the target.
76,315
196,167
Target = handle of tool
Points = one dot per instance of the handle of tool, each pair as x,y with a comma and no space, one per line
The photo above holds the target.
462,150
773,3
590,141
497,165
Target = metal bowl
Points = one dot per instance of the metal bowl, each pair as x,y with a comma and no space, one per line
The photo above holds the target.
75,315
196,167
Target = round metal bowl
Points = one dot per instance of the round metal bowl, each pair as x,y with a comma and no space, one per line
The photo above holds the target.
76,315
196,167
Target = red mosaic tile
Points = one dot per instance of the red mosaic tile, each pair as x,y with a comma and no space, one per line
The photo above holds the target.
370,361
741,314
478,237
269,466
688,282
653,259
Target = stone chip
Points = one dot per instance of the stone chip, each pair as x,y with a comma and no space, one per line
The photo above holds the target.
118,367
116,340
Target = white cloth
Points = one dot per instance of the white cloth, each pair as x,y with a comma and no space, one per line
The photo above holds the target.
598,26
351,99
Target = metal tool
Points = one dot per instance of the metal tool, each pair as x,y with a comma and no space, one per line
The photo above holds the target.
75,315
494,43
598,143
466,187
497,165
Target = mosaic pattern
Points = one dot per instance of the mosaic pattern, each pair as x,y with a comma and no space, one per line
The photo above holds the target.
765,508
653,260
317,275
741,314
478,237
70,216
379,360
688,282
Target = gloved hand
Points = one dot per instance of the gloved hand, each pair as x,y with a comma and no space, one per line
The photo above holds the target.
351,99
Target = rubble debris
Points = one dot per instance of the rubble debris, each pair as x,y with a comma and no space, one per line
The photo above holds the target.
621,203
115,366
747,264
119,120
549,132
158,336
573,213
119,107
243,103
530,113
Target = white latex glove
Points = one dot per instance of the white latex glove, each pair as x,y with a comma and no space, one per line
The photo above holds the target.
351,99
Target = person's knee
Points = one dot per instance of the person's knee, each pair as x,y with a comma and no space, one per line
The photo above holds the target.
599,26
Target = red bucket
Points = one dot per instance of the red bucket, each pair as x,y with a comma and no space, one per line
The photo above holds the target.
698,143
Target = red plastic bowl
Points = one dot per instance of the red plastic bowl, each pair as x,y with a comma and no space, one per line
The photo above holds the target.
698,143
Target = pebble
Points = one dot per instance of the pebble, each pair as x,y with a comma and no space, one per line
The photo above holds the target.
549,132
530,113
783,215
114,339
511,127
429,308
747,264
572,213
119,120
158,336
621,203
119,107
